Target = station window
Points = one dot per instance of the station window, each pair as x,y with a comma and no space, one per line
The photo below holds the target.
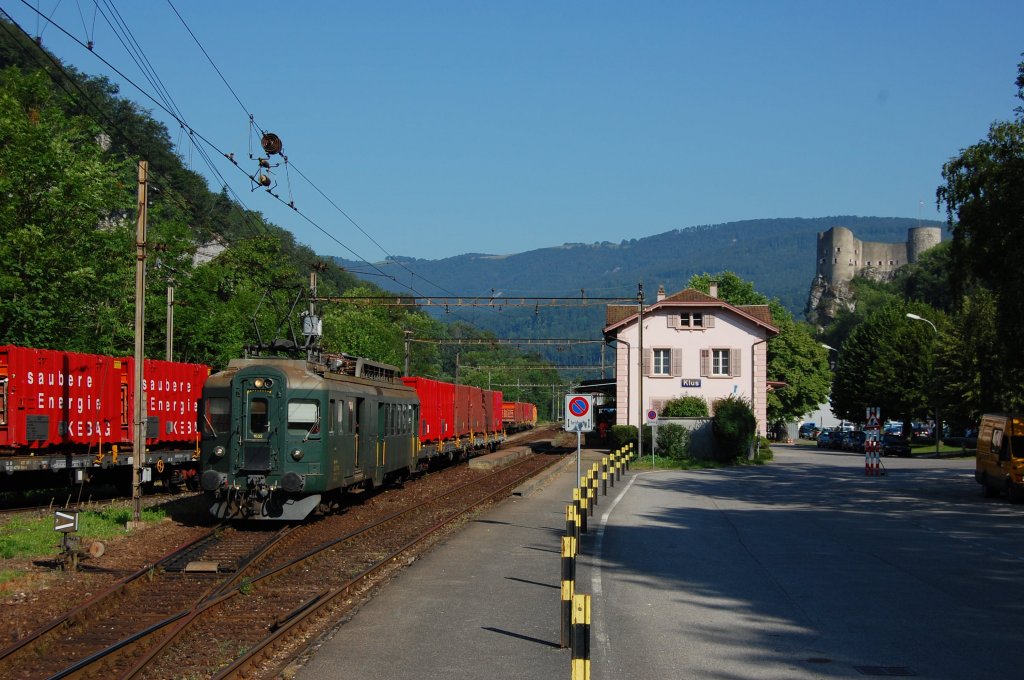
691,320
720,362
662,362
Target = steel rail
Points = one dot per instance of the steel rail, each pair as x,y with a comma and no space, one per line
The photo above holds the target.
244,666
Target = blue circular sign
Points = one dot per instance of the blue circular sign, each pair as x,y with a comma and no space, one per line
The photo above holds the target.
578,406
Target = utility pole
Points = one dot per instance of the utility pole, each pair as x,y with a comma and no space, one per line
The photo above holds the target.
408,352
139,439
170,324
640,371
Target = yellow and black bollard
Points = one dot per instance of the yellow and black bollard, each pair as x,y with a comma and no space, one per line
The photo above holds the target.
568,588
570,521
581,637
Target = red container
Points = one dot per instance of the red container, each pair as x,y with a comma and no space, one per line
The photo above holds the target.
52,398
495,413
172,393
428,391
463,410
446,407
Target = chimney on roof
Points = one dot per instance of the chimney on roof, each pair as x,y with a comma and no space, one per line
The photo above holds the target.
661,292
713,288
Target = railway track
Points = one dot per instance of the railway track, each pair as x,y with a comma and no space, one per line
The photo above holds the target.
269,623
226,599
143,601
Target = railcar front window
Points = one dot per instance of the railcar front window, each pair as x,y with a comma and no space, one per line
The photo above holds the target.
216,416
304,417
259,417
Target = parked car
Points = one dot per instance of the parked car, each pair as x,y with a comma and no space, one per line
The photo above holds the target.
895,445
807,430
825,438
854,441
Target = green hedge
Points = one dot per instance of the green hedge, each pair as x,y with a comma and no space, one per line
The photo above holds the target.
734,427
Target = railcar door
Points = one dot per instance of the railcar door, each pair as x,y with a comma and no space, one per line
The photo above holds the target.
260,414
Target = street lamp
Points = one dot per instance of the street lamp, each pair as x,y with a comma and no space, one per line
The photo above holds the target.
832,367
938,422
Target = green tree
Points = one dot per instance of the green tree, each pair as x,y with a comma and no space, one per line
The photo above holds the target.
887,361
969,372
984,198
928,279
65,249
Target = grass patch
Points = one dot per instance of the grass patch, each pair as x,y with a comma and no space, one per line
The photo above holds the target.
665,463
10,575
33,538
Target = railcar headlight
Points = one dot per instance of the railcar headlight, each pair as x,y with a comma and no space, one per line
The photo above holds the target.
219,451
258,382
297,454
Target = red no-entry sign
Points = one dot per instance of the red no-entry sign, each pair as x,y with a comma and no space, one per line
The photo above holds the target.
579,413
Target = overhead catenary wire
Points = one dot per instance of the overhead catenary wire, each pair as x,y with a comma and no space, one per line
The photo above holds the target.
193,132
164,101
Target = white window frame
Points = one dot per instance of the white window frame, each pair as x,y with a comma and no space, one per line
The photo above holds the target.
712,364
720,362
661,362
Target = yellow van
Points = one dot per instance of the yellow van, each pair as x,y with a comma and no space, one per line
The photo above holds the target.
1000,457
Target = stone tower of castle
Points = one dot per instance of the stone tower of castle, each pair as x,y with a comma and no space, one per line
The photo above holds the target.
842,256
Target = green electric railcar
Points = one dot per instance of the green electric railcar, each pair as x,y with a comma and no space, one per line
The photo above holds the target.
282,437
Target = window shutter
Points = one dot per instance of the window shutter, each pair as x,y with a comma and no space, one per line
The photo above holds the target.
673,319
734,363
705,362
648,361
709,320
677,362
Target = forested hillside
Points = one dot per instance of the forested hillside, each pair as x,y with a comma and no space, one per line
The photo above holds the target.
70,147
776,255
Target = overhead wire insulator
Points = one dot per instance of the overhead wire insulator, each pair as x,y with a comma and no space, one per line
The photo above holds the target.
271,143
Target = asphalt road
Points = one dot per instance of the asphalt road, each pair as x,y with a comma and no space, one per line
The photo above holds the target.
805,568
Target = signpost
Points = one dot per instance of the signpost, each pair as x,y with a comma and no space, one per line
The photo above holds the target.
652,419
579,418
65,521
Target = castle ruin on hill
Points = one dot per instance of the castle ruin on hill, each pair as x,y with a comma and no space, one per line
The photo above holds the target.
842,256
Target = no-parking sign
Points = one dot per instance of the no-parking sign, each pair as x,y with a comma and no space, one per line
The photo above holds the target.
579,413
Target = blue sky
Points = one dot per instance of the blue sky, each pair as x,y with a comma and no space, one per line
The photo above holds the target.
445,127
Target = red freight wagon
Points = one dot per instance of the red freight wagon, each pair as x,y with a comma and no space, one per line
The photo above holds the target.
172,392
431,427
50,398
518,415
463,410
495,412
73,413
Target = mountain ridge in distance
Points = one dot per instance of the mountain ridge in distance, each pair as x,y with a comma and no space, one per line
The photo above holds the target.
777,255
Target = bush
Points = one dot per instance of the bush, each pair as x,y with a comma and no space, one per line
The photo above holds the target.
734,426
620,435
673,441
686,407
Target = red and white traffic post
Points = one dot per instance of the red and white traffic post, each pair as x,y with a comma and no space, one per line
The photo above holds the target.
872,442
